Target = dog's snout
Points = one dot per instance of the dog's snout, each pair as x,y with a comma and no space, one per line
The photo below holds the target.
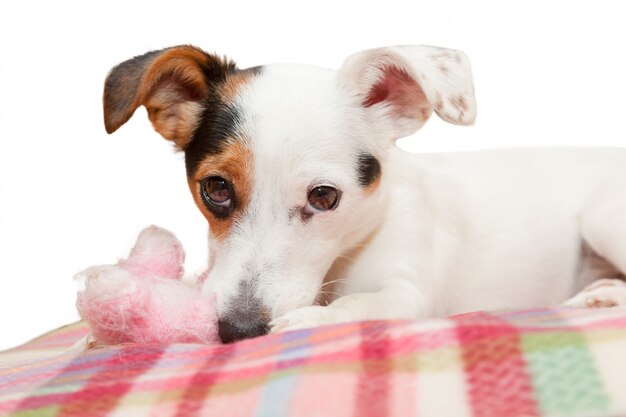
242,325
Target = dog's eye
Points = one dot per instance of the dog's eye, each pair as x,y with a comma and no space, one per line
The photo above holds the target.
322,198
217,195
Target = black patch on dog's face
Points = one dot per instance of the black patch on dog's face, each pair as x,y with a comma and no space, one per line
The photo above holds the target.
368,169
218,125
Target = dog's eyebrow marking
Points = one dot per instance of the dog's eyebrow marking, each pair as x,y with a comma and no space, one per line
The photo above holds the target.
368,169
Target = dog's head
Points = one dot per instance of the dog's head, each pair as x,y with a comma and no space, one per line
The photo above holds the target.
286,162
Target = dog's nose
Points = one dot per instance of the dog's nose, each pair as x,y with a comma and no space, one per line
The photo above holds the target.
240,326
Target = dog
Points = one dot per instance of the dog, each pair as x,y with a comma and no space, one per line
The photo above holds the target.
315,217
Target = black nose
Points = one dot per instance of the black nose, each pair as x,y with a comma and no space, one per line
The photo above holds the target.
236,327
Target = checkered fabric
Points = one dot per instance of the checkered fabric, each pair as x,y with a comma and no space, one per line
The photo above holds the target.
546,362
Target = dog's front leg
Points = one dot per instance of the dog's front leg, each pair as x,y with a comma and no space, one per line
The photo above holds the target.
397,300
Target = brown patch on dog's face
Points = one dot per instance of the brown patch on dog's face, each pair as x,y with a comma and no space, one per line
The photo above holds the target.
235,165
217,149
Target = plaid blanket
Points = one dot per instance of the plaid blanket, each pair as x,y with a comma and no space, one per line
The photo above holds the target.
547,362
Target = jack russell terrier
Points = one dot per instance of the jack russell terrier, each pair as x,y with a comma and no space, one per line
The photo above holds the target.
315,217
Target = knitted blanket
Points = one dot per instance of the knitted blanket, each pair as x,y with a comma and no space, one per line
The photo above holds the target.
546,362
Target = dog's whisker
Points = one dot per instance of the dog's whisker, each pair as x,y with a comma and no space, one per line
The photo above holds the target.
333,293
340,280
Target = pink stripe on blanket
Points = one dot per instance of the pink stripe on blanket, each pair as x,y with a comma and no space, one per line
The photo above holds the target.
373,387
74,370
496,371
199,386
99,392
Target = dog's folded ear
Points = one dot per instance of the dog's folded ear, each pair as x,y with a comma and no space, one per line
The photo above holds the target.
403,85
172,84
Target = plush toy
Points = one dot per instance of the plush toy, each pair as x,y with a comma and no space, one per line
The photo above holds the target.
143,299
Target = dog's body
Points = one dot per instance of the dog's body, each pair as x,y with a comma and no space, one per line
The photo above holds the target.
307,198
490,229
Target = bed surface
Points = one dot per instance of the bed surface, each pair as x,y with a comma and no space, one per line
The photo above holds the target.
543,362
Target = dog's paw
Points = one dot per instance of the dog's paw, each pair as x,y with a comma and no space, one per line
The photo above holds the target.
600,293
305,318
85,343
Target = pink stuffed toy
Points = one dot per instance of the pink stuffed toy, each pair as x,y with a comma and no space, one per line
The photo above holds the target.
142,299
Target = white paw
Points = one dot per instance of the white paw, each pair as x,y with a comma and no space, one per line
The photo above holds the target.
305,318
600,293
85,343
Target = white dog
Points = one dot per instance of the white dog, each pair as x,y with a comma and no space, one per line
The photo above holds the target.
310,203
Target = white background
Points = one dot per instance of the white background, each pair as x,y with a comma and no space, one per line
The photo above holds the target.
546,73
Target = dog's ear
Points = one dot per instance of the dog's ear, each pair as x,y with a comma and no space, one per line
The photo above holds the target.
402,86
172,84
